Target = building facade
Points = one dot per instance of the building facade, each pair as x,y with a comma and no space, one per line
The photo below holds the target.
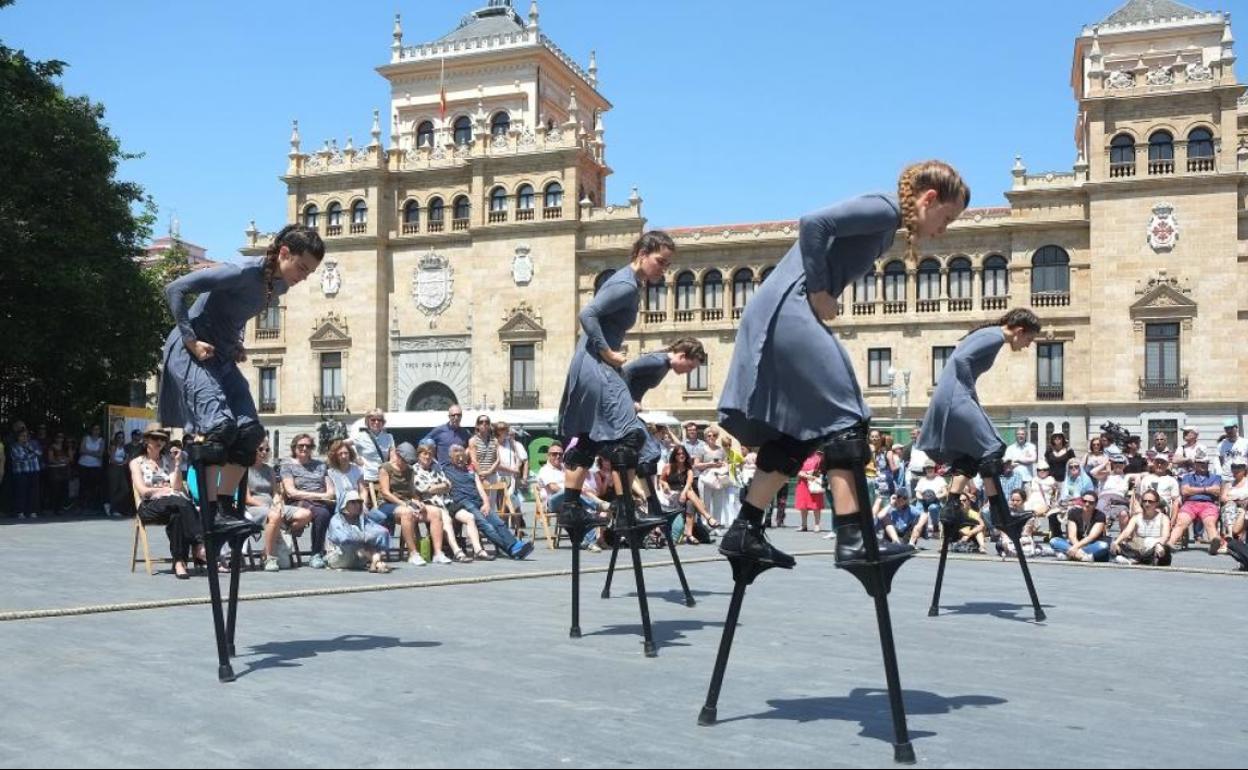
459,252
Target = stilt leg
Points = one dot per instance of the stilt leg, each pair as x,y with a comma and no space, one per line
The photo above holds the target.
744,571
615,553
642,601
212,548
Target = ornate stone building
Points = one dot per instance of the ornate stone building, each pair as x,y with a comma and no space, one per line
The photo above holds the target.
460,251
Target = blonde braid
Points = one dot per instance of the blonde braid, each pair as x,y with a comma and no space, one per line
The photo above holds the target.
920,177
909,209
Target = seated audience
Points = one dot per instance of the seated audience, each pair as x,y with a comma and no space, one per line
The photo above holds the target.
305,483
265,504
1085,538
1144,539
468,494
356,542
434,489
157,478
1200,489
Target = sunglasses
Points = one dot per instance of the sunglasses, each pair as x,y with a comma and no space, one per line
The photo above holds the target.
1150,502
377,419
483,422
1089,502
554,454
303,446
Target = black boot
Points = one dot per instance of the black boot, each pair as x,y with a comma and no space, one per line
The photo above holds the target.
1005,520
850,549
574,515
229,523
748,541
951,514
626,519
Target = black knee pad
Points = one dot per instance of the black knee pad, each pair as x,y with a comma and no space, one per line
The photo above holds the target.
247,440
779,457
582,455
965,465
648,469
992,468
847,449
623,457
213,448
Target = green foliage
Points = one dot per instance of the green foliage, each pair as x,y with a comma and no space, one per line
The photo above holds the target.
80,319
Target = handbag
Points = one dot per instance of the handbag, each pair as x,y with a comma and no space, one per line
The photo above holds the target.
815,486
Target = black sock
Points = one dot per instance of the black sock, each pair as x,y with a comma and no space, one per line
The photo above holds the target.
571,497
752,514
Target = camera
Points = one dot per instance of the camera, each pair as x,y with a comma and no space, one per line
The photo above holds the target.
1117,434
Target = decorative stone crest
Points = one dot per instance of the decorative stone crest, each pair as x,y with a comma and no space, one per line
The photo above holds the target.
1163,228
1199,72
432,284
331,279
330,331
522,324
1163,298
1161,76
1120,79
522,266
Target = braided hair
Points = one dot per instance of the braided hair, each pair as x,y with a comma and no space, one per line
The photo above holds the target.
920,177
298,240
1019,317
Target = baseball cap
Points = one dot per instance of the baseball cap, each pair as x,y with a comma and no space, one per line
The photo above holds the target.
407,452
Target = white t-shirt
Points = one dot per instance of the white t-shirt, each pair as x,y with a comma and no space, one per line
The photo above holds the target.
1228,450
1040,493
95,445
918,458
1166,486
549,474
1115,485
366,451
937,486
1023,457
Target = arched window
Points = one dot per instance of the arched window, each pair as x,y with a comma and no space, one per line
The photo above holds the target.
929,279
742,287
500,124
463,209
359,213
335,214
411,216
311,215
713,290
686,291
524,197
895,282
1050,271
437,211
463,130
1122,156
656,296
498,200
601,279
960,278
424,134
1161,153
864,287
996,276
766,272
1200,150
554,196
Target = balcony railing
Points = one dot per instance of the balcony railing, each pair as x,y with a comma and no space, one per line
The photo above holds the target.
268,332
436,225
1050,392
333,230
654,316
996,303
552,212
1156,167
329,404
459,224
498,216
712,314
961,304
1199,165
358,227
895,307
928,306
1050,299
736,313
863,308
524,215
411,228
268,407
521,399
684,315
1123,169
1170,389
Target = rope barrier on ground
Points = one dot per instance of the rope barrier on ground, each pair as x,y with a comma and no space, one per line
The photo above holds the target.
157,604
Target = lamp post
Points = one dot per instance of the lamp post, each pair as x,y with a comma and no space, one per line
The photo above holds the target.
899,388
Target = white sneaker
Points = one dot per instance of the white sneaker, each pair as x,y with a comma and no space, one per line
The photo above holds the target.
440,558
1060,556
1120,559
830,536
416,561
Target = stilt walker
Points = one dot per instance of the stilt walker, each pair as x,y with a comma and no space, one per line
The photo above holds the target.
203,390
597,410
958,432
791,389
643,375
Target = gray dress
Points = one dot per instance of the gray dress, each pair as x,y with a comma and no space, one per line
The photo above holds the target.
642,375
789,374
201,395
956,425
595,399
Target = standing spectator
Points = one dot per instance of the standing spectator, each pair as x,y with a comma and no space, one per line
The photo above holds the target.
373,446
1232,447
305,483
483,449
810,489
1057,455
1200,489
355,542
434,489
1096,462
736,464
1137,464
91,458
1085,534
1144,539
135,447
56,464
714,476
1161,445
468,494
693,445
1023,454
513,467
157,478
25,467
265,504
449,435
1185,456
39,440
119,497
344,473
397,489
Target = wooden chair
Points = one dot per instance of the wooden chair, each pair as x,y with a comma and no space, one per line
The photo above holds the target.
543,517
140,534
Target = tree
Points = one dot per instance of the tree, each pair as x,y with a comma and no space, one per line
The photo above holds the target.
174,263
80,320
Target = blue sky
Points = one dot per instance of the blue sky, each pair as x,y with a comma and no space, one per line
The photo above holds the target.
725,112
